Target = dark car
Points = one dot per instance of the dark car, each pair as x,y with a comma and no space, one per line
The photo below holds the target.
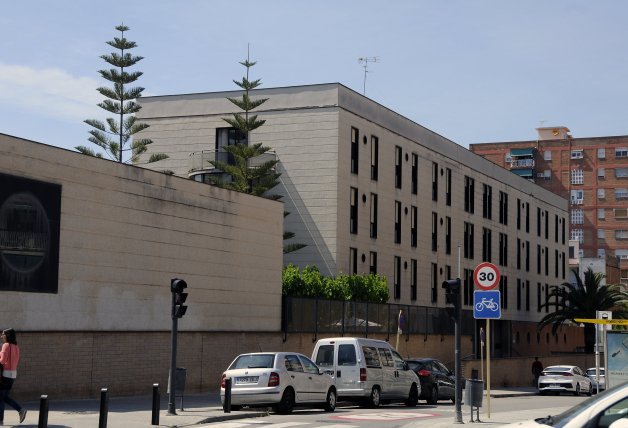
437,381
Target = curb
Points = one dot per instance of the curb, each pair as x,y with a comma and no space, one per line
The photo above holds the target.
231,417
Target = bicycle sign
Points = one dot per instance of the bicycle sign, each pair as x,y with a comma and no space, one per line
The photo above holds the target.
486,276
486,304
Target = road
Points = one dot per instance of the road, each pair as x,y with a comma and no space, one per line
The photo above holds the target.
503,410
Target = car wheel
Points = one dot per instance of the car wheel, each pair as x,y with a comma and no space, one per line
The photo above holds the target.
374,399
413,397
577,392
286,404
433,397
330,402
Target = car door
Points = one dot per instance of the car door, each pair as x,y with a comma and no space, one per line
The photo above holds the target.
317,383
390,387
297,377
405,377
444,379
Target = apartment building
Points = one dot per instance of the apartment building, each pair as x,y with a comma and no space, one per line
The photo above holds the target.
591,173
371,191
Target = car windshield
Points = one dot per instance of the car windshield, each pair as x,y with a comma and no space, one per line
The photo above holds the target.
254,361
562,419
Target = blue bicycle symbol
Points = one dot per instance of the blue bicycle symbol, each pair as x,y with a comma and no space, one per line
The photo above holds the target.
488,304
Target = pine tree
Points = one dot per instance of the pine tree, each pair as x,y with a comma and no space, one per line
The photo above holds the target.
115,137
247,172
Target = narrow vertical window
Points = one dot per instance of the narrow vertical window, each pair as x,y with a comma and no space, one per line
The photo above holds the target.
434,278
539,302
546,224
518,253
503,249
373,215
518,214
397,222
538,259
415,173
448,187
527,256
355,146
353,260
398,163
434,231
373,262
538,222
486,244
556,263
563,230
547,298
414,226
469,194
528,217
563,262
546,261
503,288
468,240
434,181
353,215
503,208
527,285
467,287
413,279
374,157
487,202
447,235
556,228
519,285
397,278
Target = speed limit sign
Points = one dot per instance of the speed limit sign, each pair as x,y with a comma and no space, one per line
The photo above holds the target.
486,276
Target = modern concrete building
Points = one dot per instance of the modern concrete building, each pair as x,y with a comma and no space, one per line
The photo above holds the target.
372,191
591,173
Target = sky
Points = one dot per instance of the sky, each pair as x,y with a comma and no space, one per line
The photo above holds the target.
474,71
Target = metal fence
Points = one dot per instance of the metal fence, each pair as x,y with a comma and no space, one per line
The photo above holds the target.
313,315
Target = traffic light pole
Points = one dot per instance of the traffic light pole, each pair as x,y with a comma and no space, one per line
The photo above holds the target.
458,361
173,361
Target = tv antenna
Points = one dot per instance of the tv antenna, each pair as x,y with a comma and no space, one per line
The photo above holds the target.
365,64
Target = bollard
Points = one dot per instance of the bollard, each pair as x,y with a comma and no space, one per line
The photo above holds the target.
155,418
43,412
104,408
227,404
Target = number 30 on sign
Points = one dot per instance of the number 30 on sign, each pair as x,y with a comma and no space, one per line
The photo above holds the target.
486,276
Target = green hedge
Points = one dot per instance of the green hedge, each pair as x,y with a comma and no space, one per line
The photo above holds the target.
310,283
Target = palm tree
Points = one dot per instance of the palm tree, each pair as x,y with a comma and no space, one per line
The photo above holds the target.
582,300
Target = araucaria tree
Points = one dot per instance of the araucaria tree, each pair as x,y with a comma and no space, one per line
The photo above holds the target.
582,300
115,137
248,170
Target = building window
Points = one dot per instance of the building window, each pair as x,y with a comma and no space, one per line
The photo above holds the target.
577,216
486,244
398,162
555,228
527,285
577,176
577,235
546,261
397,222
503,208
413,279
601,172
601,234
546,224
547,155
621,193
434,278
503,289
519,285
414,225
448,187
538,221
467,295
528,217
415,173
601,153
601,253
447,235
503,249
518,214
373,262
434,231
621,172
621,152
577,197
519,245
563,231
353,260
577,154
353,217
556,263
601,193
355,146
527,256
434,181
468,240
373,215
397,278
374,157
539,302
621,212
487,202
229,137
469,193
538,259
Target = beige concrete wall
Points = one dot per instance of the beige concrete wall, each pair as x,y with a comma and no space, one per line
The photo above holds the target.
126,231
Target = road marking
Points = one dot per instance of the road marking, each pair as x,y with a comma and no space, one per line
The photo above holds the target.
271,425
384,416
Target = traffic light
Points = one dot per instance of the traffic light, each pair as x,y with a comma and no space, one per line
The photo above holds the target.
452,296
178,297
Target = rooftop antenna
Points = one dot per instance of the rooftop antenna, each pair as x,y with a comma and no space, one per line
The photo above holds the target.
365,64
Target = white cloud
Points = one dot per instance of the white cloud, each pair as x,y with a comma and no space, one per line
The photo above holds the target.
49,92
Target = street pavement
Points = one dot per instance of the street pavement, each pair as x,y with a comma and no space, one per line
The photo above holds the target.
134,412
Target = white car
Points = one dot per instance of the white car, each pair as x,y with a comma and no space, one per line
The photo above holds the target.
592,375
281,380
608,409
557,379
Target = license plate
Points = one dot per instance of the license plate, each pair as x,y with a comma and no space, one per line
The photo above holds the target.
554,385
247,379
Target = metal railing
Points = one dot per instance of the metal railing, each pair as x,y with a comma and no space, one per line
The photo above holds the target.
200,161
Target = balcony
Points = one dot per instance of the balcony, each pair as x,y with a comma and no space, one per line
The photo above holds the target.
199,162
521,163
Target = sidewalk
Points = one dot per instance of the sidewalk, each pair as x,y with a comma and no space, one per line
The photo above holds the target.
135,412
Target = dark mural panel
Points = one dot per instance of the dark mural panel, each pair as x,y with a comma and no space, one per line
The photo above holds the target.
30,212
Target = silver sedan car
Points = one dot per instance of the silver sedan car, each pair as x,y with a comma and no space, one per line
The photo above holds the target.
557,379
281,380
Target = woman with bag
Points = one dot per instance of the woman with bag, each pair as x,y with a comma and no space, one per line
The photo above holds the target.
9,357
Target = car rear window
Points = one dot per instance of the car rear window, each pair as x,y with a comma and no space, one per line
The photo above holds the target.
258,361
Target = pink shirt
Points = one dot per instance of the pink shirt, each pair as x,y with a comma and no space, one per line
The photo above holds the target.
9,357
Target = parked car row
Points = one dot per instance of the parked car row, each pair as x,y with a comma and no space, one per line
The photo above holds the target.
362,370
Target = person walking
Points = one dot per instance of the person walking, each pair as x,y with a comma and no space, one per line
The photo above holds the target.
9,358
537,369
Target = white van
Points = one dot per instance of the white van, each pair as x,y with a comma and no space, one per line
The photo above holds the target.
367,370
